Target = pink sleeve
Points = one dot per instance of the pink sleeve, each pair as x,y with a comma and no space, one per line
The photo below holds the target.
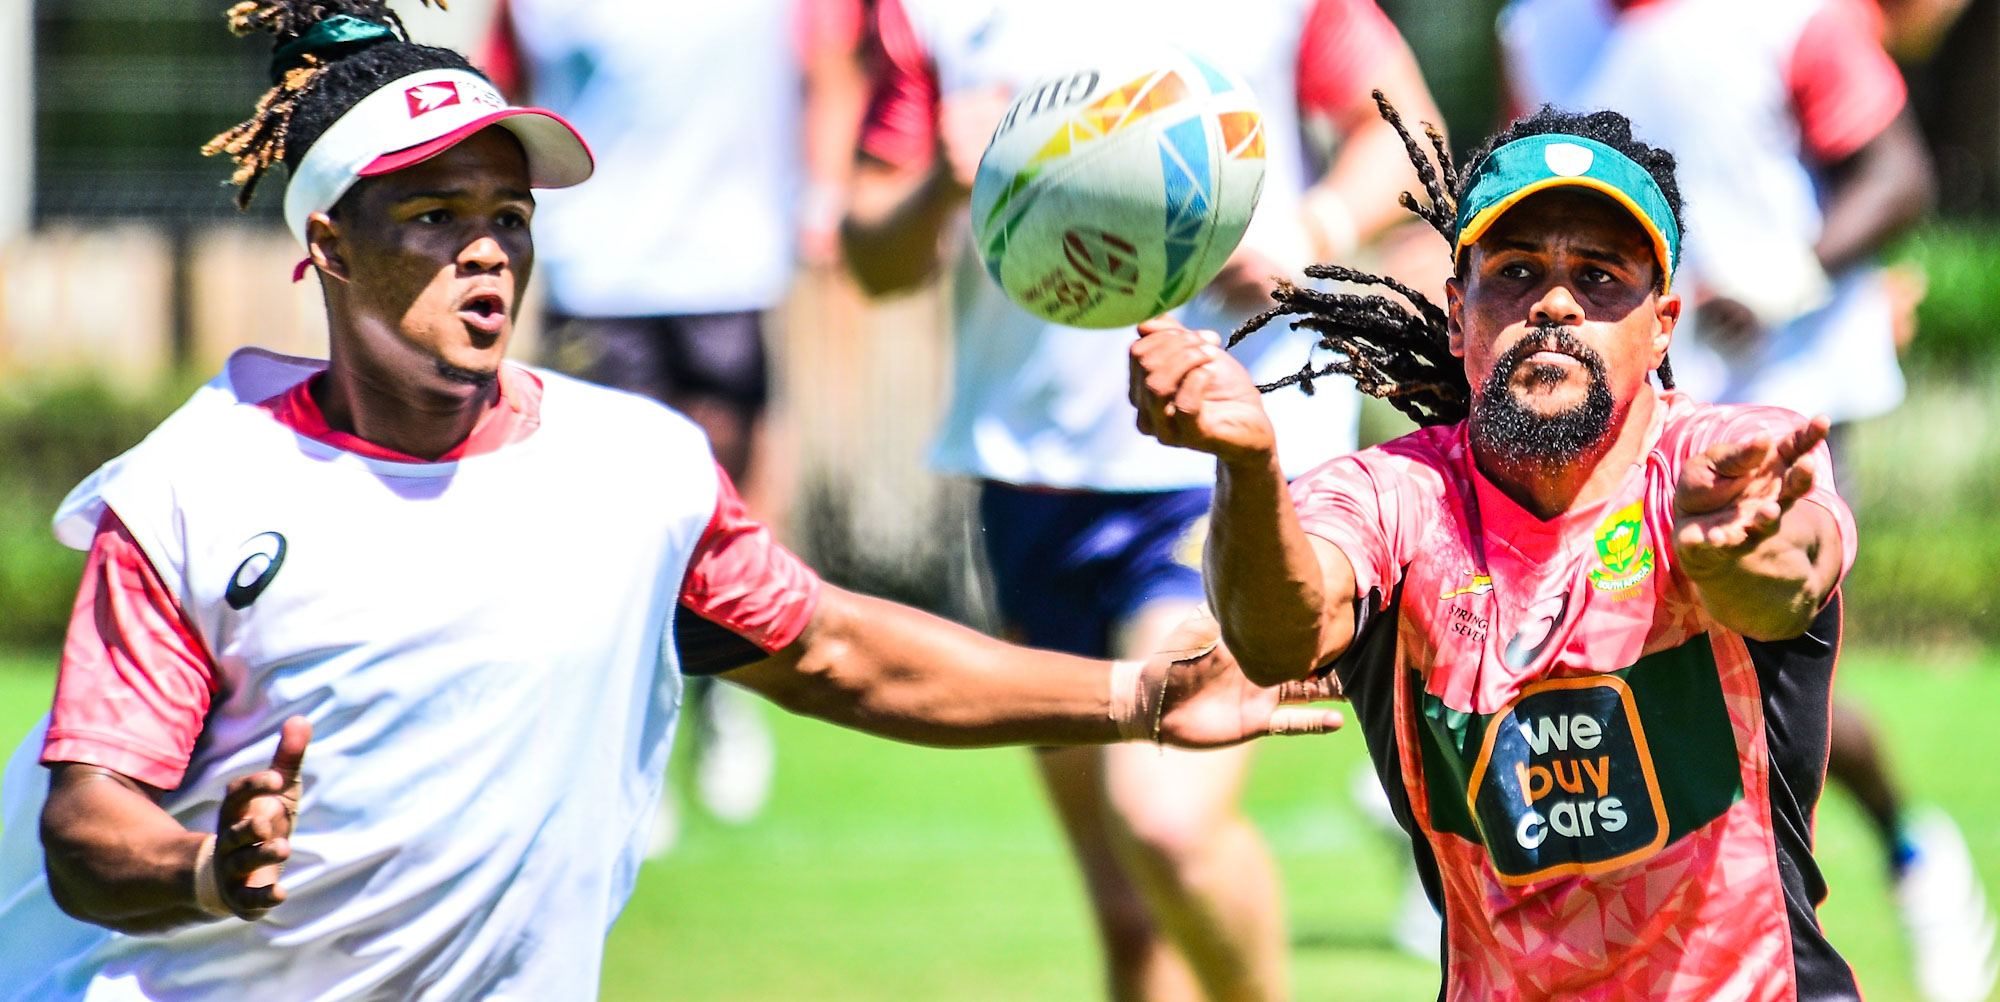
900,128
135,683
827,26
1739,424
741,579
1342,502
499,55
1845,89
1343,43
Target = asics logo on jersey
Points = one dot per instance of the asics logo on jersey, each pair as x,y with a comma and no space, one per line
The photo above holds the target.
266,553
425,98
1539,626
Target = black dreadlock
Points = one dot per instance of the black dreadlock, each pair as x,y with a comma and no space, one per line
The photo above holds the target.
1398,353
313,89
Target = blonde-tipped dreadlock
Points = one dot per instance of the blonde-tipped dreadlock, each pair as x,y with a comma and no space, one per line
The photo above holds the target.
1401,353
261,141
1389,351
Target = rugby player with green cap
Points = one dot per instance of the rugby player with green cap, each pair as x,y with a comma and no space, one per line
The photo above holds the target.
1587,624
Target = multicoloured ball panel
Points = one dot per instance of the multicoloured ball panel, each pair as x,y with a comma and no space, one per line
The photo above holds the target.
1114,193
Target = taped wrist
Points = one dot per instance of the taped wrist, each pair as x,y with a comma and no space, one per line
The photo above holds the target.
1135,705
207,890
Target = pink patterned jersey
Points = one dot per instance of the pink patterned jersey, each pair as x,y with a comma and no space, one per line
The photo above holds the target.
1609,794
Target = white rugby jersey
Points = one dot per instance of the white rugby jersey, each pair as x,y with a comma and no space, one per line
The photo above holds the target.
485,650
1743,142
1042,404
693,110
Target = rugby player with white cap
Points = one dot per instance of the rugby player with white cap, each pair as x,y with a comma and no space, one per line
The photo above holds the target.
473,588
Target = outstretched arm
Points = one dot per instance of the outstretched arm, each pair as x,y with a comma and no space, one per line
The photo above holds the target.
894,671
118,860
898,212
1285,599
1876,193
1763,564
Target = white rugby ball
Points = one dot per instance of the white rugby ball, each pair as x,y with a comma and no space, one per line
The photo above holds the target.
1113,193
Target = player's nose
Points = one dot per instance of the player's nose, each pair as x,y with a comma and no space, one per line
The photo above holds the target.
1557,306
483,254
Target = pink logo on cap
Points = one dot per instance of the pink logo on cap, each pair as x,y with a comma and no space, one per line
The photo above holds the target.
425,98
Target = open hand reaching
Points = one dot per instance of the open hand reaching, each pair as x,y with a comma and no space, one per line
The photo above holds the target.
1210,703
1732,497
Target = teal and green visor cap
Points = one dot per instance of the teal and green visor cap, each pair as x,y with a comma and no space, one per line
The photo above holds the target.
1538,163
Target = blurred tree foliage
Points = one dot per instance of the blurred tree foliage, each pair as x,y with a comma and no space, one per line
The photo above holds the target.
1957,320
51,437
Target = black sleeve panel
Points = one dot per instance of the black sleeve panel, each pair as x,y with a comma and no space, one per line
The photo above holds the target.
1796,679
1368,677
708,648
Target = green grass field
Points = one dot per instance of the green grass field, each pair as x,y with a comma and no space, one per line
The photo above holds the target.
886,872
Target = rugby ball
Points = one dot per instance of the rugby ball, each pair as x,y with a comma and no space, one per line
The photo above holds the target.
1114,192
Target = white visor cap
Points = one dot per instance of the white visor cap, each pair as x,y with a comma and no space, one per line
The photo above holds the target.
415,118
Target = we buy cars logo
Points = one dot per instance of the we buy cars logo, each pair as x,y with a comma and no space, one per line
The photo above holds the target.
426,98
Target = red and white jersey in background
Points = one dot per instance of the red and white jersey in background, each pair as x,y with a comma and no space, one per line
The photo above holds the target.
693,110
1753,100
1037,403
485,645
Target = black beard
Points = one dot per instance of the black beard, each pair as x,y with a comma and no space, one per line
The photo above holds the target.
470,377
1508,431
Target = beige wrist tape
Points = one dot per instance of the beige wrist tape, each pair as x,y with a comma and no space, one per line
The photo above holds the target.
1128,701
207,891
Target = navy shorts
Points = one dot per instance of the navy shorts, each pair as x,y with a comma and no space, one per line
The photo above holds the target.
719,356
1071,566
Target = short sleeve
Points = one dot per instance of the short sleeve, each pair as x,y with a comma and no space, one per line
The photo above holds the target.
136,682
1342,503
900,127
743,582
1845,89
828,26
1340,49
1737,424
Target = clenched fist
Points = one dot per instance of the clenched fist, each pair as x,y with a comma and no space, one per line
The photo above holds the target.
1193,394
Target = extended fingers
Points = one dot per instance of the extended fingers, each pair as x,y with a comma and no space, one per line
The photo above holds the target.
245,790
238,864
261,820
1804,439
1731,460
256,893
1309,690
1289,720
291,753
1799,479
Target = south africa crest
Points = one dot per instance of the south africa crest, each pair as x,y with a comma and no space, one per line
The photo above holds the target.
1622,551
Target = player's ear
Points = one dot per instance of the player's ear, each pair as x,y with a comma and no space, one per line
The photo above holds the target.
1454,307
1667,314
323,245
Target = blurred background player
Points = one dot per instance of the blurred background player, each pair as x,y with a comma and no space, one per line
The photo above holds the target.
717,167
1800,162
1092,532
